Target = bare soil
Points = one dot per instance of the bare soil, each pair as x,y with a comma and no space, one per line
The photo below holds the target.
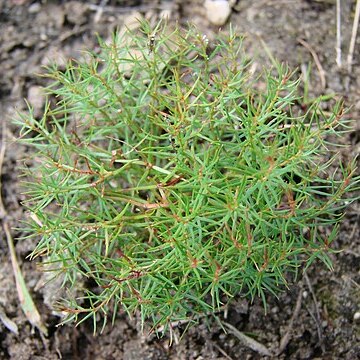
326,323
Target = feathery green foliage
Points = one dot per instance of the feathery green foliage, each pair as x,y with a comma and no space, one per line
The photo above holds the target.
165,181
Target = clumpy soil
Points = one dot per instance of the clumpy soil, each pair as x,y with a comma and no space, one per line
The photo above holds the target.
322,310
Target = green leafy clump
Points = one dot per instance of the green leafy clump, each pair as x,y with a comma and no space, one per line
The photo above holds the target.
166,181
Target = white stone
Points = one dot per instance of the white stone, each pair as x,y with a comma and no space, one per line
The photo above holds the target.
34,8
217,11
36,99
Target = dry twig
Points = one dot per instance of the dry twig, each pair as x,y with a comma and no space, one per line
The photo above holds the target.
287,336
26,301
316,317
353,37
317,62
248,341
338,33
221,350
100,11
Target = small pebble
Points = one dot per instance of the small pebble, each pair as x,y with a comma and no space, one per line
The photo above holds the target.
55,54
43,37
36,99
76,12
357,316
217,11
34,8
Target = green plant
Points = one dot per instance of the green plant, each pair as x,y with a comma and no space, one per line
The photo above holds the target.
167,178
